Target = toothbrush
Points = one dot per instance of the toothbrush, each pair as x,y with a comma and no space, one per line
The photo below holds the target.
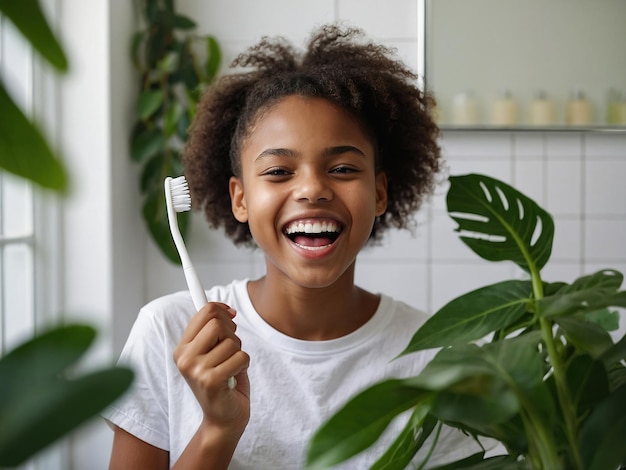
178,199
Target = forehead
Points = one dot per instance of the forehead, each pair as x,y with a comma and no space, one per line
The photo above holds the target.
300,116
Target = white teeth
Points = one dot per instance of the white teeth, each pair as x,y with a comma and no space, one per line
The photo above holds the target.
312,248
315,227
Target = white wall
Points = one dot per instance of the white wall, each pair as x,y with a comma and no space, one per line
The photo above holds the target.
238,24
111,267
577,176
101,229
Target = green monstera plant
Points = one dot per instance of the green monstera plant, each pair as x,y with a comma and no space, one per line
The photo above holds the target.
42,395
174,66
526,362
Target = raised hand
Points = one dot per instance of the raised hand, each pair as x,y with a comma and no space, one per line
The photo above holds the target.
208,354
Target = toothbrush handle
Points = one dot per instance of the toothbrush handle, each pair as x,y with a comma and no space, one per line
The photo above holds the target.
197,291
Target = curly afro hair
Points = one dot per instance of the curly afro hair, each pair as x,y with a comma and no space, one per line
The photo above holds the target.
338,65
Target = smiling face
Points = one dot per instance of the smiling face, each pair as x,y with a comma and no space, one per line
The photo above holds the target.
308,190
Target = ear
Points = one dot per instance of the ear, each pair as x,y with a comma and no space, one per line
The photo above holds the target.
238,199
381,193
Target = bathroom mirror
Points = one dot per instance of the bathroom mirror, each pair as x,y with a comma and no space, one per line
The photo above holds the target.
484,58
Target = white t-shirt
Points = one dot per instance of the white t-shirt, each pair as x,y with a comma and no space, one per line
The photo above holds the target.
295,385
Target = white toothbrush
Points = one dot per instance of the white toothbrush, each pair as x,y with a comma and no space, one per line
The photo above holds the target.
178,199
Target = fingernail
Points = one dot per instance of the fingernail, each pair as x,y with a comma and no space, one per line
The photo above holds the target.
232,312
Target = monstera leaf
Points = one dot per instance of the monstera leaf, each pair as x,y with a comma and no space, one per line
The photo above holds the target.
499,223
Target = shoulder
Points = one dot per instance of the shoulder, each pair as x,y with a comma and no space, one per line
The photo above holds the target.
399,323
402,313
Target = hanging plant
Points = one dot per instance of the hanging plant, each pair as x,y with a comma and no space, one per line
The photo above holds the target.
174,66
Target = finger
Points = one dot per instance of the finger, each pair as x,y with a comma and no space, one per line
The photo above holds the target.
235,366
188,355
213,333
206,313
219,354
212,371
242,381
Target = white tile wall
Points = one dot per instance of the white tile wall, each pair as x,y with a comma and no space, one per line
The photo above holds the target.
577,176
605,187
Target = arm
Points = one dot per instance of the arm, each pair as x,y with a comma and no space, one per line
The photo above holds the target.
209,448
208,353
205,450
132,453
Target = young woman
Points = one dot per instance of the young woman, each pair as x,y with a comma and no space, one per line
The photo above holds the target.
308,157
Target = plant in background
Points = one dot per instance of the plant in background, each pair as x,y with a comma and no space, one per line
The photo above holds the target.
526,362
172,77
41,398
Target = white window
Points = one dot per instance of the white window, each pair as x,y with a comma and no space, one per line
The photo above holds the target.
17,286
29,284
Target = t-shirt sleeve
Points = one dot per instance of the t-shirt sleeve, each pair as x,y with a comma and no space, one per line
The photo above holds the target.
143,410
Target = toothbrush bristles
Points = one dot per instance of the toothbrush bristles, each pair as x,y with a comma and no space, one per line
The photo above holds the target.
181,198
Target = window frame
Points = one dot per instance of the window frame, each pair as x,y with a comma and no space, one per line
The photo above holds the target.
43,237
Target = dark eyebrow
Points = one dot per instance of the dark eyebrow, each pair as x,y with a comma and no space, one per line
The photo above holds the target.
278,152
343,149
329,152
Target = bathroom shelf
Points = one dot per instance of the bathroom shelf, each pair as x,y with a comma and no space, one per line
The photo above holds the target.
590,129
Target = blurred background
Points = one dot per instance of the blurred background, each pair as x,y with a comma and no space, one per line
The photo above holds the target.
88,256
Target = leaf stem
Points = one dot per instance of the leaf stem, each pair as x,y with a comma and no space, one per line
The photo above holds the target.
567,407
558,369
541,448
540,439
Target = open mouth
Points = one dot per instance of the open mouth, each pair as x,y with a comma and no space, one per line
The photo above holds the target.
313,234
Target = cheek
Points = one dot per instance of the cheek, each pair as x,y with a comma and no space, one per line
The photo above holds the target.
261,207
262,200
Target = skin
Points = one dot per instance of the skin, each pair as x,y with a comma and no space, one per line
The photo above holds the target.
308,160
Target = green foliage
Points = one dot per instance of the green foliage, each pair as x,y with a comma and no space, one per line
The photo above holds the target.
527,363
28,17
41,400
499,223
174,67
23,149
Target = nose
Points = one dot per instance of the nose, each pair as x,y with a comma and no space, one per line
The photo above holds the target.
312,187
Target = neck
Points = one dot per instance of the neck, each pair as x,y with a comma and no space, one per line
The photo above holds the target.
319,313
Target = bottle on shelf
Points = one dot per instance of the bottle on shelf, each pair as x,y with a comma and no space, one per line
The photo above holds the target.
541,110
579,110
616,108
504,110
465,109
